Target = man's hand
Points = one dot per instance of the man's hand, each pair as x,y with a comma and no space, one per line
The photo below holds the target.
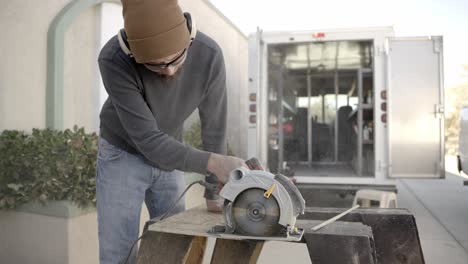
215,206
221,165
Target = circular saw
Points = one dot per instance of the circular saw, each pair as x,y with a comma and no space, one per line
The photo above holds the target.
261,205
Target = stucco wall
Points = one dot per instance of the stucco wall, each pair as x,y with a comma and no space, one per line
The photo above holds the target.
234,45
23,52
32,238
81,87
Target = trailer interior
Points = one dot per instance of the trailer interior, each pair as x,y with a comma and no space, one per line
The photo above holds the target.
320,108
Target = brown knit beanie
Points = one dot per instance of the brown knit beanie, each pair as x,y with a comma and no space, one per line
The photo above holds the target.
155,28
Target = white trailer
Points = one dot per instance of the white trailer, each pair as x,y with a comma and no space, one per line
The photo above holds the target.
352,106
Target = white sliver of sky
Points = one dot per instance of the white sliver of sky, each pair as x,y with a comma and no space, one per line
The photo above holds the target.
408,18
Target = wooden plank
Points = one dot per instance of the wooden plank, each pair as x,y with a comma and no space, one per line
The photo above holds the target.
256,253
196,222
336,249
339,243
197,250
236,251
164,248
395,232
349,240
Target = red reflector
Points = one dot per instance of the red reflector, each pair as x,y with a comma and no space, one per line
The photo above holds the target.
319,35
383,118
253,108
383,106
253,119
288,128
253,97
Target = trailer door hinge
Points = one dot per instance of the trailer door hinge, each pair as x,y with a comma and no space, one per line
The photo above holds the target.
382,166
437,44
439,110
380,50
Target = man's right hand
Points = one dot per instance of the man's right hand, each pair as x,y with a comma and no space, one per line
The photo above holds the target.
221,165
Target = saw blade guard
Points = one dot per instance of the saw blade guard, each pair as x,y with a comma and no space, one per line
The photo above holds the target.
289,199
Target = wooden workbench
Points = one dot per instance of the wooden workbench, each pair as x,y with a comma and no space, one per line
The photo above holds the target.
182,239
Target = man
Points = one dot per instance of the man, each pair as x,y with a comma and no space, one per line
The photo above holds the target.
156,76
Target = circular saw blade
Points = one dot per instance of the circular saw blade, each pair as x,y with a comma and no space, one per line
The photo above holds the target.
253,214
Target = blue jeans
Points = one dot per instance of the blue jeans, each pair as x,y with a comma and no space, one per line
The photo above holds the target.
123,182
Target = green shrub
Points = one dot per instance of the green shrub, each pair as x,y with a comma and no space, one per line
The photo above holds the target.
192,136
47,165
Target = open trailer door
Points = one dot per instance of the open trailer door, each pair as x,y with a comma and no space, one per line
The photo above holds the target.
415,107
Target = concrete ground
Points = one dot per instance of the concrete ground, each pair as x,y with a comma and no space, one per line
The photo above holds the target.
441,211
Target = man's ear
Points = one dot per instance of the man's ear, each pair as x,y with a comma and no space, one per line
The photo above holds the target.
123,42
191,25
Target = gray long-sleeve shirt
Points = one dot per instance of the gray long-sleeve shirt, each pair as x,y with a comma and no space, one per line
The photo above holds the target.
145,113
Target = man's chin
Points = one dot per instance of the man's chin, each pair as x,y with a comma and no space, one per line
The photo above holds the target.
169,77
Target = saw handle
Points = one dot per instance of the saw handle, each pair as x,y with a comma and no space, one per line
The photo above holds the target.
213,186
254,164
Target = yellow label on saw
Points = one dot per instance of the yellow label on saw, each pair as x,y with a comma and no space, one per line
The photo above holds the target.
268,192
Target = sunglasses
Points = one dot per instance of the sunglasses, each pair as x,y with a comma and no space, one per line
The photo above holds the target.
173,63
